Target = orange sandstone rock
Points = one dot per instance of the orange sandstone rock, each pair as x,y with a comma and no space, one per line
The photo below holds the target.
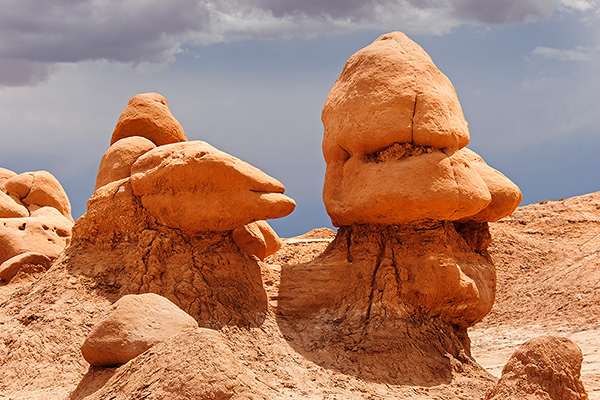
546,367
5,174
393,133
117,161
257,238
196,188
391,92
148,115
10,267
135,323
9,208
39,189
47,232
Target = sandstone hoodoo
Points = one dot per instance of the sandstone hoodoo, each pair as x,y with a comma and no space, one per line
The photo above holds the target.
35,221
179,218
409,264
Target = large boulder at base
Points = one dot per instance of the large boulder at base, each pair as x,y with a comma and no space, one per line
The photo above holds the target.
117,161
196,188
10,267
544,368
148,115
47,232
393,130
39,189
257,238
135,323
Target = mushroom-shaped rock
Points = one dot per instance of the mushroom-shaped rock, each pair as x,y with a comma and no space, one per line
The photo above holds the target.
46,231
10,267
134,324
257,238
546,367
39,189
393,130
196,188
117,161
148,115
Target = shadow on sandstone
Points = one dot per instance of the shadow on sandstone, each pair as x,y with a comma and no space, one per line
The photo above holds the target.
386,303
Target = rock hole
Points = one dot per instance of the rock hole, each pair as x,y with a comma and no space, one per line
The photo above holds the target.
22,227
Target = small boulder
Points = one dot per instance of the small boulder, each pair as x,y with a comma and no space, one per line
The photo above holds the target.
148,115
10,267
257,238
134,324
194,187
544,368
117,161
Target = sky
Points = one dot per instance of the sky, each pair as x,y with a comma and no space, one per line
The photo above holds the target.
251,77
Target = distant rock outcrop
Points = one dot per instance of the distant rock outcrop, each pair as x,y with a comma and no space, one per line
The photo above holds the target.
163,217
134,324
544,368
35,220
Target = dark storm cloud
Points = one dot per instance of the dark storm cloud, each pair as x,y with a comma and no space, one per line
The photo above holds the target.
36,35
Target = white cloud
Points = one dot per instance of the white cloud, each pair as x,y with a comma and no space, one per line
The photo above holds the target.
37,35
579,5
579,53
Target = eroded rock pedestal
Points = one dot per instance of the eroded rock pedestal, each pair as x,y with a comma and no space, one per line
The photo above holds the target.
180,219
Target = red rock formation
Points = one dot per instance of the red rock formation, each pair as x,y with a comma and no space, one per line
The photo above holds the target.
409,269
162,219
35,221
544,368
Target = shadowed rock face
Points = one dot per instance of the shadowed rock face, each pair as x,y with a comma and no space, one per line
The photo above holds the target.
163,215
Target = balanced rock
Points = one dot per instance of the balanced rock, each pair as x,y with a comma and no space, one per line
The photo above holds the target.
257,238
393,133
148,115
117,161
546,367
196,188
134,324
